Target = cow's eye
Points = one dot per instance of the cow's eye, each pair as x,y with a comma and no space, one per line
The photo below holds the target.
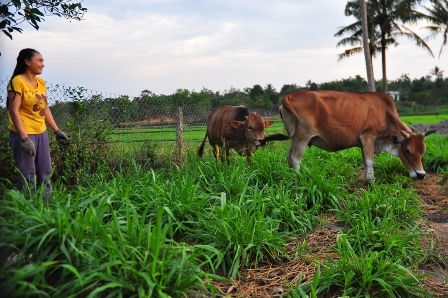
249,127
408,151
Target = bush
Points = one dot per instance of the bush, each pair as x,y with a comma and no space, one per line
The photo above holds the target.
363,274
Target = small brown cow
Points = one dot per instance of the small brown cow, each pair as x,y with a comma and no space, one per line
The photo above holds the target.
233,127
333,121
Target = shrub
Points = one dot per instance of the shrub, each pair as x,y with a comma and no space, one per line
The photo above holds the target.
363,274
89,146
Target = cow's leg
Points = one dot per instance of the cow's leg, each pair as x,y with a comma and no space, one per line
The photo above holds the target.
295,153
224,150
368,155
227,151
249,156
216,151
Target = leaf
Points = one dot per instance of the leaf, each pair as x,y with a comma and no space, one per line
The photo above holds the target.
105,287
7,34
74,271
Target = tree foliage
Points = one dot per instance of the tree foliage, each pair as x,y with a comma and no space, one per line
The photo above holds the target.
438,16
15,12
387,20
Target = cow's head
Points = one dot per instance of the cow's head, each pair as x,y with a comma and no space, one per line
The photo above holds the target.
253,127
410,150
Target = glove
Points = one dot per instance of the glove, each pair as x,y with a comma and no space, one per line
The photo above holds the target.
61,137
28,147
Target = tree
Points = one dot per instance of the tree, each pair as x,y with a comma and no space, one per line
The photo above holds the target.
438,16
356,84
437,72
289,88
270,91
15,12
256,91
356,41
365,44
386,22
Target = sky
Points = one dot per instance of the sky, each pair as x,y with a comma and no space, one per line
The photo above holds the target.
124,47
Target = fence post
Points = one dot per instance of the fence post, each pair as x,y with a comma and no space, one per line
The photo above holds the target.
179,135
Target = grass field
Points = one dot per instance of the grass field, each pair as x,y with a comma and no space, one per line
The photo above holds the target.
197,132
168,133
139,230
177,233
424,119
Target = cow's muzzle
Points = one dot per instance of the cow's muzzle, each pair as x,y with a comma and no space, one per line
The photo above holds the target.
418,175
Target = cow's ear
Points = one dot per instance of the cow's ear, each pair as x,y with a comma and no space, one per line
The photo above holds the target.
426,132
236,124
395,139
268,123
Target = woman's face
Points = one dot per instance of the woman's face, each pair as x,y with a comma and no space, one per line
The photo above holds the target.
35,64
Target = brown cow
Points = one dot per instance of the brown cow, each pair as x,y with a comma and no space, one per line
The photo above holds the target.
333,121
234,127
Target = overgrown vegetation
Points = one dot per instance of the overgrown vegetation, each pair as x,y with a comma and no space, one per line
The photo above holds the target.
162,233
132,223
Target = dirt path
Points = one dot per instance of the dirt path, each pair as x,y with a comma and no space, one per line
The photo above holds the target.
434,193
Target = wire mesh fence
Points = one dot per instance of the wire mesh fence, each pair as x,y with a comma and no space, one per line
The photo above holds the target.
150,117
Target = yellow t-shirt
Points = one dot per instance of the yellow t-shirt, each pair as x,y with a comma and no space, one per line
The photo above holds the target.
32,107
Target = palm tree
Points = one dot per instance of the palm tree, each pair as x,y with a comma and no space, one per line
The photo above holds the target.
365,45
386,21
438,16
437,72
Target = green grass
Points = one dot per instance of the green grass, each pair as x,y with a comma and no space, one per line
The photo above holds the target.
424,119
140,232
195,133
168,133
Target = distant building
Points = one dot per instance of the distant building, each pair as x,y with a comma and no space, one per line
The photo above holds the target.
395,95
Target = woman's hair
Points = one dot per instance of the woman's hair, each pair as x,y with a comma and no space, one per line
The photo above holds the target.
25,54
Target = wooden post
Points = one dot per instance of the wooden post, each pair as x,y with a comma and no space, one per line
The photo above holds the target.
179,135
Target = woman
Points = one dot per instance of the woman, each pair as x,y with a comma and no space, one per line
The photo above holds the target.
28,115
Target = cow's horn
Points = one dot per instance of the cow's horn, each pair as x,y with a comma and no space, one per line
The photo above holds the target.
427,132
405,134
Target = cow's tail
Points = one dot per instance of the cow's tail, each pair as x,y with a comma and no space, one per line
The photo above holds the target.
288,115
201,148
274,137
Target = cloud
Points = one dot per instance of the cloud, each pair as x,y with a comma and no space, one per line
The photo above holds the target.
124,47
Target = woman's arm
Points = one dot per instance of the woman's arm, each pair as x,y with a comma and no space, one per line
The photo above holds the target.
50,120
15,99
61,137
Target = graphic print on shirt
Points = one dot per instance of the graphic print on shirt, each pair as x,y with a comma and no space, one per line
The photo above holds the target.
41,103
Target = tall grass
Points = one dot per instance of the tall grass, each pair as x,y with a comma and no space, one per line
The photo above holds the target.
87,245
139,232
362,274
436,159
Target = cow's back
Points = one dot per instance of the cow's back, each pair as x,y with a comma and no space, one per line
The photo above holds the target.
218,121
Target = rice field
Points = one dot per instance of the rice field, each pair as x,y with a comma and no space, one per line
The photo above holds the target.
424,119
197,132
